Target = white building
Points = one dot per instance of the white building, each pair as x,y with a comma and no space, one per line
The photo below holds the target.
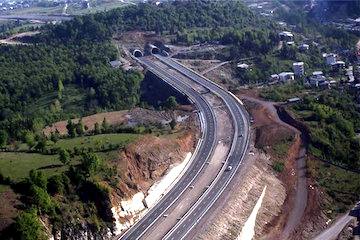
290,43
286,76
304,47
274,77
317,79
338,65
298,68
243,66
285,35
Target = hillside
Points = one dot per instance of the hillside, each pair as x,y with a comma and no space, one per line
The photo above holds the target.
67,179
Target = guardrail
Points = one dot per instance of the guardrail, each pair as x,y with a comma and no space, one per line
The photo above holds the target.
204,130
235,138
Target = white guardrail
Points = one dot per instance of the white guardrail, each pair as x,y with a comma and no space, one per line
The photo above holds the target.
203,130
224,166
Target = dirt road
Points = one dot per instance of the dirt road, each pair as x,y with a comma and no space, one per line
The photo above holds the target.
335,229
301,190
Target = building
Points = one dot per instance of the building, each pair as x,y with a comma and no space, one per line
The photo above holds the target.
298,68
115,64
243,66
317,78
286,76
338,65
286,36
274,77
330,58
290,43
304,47
294,100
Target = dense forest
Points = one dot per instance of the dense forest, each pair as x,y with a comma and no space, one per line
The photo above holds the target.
76,54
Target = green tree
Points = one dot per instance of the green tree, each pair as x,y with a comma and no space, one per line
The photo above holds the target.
90,163
38,178
3,138
71,128
172,124
171,102
54,136
55,184
60,89
105,127
30,139
41,199
80,128
97,129
64,156
28,226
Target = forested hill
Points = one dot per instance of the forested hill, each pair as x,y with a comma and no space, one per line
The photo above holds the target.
170,16
65,70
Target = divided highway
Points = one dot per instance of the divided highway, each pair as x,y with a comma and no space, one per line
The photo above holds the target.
204,153
239,147
237,152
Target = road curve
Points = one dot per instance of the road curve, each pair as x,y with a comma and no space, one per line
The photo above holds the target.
241,123
205,151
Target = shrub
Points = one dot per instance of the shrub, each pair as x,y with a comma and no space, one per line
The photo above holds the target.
28,227
38,178
55,184
41,199
278,166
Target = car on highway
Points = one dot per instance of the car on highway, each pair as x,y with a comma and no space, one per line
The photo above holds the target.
229,168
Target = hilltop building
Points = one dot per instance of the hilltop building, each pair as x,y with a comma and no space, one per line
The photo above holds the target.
286,36
330,58
298,68
286,76
304,47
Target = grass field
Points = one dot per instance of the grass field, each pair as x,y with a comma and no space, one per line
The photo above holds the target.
4,188
17,165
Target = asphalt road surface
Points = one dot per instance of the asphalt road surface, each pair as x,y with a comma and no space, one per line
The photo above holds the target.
199,161
237,152
240,144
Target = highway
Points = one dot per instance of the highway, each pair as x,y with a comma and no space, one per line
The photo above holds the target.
238,149
240,144
204,153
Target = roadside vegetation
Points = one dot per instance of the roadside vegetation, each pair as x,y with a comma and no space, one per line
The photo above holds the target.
332,119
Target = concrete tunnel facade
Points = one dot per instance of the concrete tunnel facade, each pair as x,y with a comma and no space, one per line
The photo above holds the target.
137,53
154,49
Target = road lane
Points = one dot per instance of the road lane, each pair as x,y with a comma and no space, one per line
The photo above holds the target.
199,161
193,216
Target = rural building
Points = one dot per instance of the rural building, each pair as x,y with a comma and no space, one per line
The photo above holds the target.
243,66
286,76
298,68
290,43
115,64
338,65
330,58
317,78
274,77
286,36
304,47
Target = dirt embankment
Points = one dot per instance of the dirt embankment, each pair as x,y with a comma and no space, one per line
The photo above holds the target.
145,161
237,203
126,117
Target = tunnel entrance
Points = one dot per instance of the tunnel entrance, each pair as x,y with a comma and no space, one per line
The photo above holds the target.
137,53
155,50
